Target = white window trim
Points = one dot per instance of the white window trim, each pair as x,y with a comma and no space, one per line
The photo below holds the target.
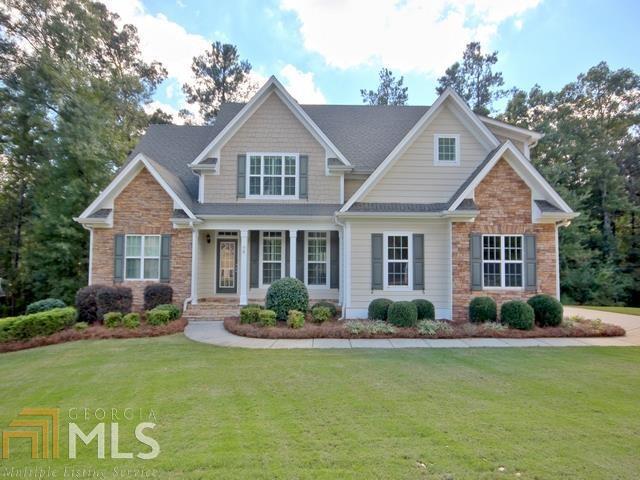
273,154
436,152
283,257
385,247
327,260
503,262
142,257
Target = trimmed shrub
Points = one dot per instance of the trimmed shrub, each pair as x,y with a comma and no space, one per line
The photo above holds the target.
332,308
81,326
254,305
548,311
287,294
267,318
483,309
86,303
157,294
112,319
44,305
37,324
158,317
426,310
131,320
113,299
517,314
250,314
403,314
433,327
378,309
320,314
174,311
295,319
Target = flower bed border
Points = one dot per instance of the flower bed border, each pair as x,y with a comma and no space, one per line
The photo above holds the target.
336,329
96,332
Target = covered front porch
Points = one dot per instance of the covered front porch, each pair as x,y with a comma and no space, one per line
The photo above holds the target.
235,264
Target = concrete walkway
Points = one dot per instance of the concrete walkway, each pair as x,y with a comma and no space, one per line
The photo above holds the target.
214,333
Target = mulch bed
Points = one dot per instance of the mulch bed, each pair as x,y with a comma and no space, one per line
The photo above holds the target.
96,332
337,329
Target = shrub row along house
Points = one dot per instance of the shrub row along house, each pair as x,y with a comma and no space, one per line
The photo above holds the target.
358,202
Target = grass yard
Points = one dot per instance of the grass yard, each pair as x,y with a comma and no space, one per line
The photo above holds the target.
627,310
548,413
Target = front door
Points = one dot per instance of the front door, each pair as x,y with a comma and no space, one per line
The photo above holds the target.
227,271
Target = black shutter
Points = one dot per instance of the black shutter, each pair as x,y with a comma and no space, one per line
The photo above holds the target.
530,274
300,256
254,267
287,254
165,258
303,177
118,258
242,168
418,261
335,260
376,261
475,247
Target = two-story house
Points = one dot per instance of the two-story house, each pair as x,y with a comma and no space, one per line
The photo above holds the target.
356,201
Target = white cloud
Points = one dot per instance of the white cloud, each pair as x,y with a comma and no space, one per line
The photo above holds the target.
301,85
161,39
409,36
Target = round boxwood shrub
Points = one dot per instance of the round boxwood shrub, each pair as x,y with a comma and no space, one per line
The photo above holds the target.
267,318
320,314
483,309
131,320
517,314
426,310
403,314
379,309
295,319
158,317
250,314
332,308
287,294
174,311
44,305
548,310
112,319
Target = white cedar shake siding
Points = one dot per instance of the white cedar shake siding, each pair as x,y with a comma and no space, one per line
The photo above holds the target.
272,128
436,264
415,179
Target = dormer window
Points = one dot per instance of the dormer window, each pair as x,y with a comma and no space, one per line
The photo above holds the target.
272,175
446,150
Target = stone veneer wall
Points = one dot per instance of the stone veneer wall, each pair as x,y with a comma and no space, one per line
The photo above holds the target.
143,207
504,201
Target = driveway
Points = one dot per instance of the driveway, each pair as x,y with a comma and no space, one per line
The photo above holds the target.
631,323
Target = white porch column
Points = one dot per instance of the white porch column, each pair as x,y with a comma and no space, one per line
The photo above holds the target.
244,264
195,250
341,266
293,237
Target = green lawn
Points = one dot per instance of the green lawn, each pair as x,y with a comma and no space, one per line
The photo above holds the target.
548,413
627,310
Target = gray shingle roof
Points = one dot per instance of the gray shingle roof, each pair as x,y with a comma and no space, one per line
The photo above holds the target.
271,209
473,175
545,206
179,213
467,204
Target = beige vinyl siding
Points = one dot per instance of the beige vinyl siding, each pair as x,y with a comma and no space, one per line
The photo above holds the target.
272,128
207,265
350,187
415,179
436,260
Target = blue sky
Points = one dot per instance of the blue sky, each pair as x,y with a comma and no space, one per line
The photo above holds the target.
324,51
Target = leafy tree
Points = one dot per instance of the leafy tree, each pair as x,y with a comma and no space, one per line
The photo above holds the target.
474,79
220,76
73,87
159,117
590,153
390,91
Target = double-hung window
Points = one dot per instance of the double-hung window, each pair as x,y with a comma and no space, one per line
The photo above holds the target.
317,258
446,149
272,263
272,175
502,261
397,264
142,257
